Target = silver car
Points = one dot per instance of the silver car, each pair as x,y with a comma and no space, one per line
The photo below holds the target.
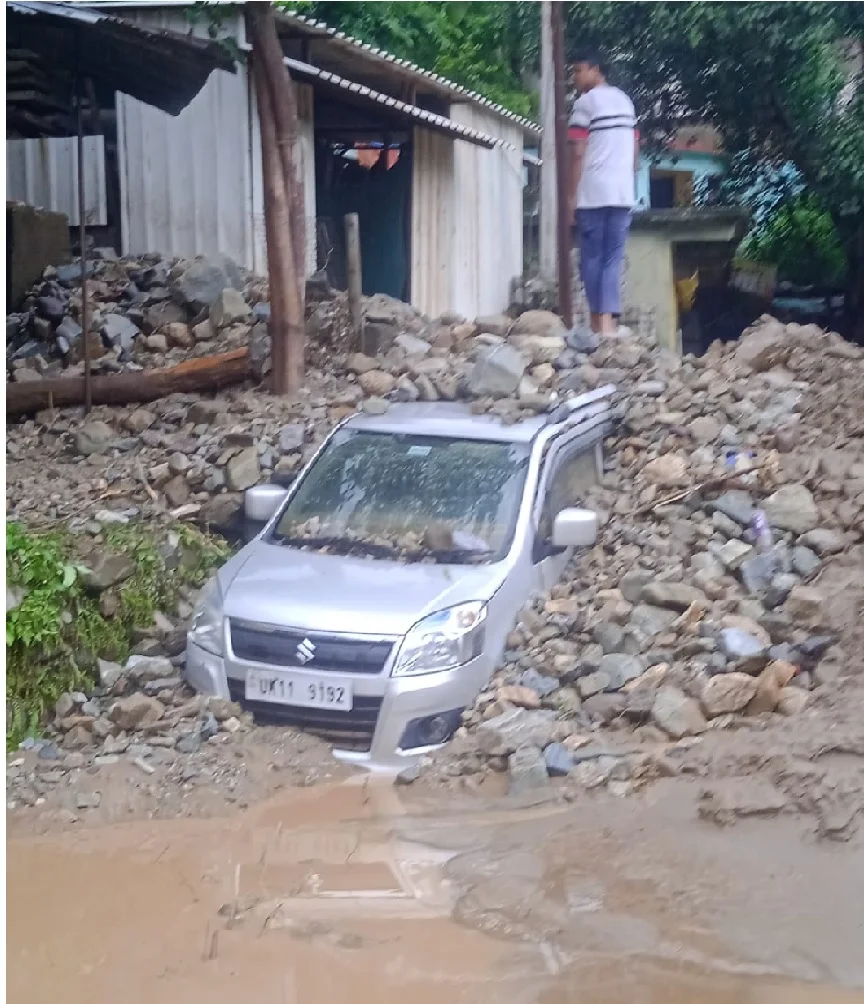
376,601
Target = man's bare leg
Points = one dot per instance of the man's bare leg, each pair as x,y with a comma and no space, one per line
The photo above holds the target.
596,321
608,324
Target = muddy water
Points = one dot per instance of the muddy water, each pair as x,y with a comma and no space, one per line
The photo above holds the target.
347,893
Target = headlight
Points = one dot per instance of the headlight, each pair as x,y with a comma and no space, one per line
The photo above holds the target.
441,641
205,629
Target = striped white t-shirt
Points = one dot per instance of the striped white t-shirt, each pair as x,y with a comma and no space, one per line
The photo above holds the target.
606,118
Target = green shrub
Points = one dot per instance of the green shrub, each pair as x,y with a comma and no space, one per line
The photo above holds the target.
57,630
800,239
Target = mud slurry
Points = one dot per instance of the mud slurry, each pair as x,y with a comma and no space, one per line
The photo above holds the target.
348,892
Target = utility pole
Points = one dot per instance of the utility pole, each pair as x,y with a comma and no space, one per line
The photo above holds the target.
548,171
562,165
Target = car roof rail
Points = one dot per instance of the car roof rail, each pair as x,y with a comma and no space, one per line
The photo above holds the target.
577,409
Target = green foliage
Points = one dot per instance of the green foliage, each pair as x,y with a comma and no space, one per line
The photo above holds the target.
779,80
801,240
57,631
485,46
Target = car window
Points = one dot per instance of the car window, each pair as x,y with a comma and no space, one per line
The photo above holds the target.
573,476
402,491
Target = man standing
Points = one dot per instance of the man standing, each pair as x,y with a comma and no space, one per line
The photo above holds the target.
604,150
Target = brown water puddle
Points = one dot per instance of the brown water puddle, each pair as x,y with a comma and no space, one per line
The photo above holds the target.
334,894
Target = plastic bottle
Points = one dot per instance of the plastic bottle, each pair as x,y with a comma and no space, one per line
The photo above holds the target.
761,531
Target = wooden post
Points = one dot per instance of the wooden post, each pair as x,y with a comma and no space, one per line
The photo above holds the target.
283,202
548,169
82,240
565,293
355,277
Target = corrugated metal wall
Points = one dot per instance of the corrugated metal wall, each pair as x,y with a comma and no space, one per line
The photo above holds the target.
432,231
44,173
305,154
466,227
488,214
185,181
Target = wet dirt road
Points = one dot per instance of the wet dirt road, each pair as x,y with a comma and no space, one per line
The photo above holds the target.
348,892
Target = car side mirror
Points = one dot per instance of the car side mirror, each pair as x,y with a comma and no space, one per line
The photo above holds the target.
574,528
261,502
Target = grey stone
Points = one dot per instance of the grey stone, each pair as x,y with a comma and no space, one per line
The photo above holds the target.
651,620
728,527
495,324
409,775
823,541
805,562
543,686
728,693
48,751
188,744
779,589
107,570
527,770
609,636
65,706
228,308
792,508
412,346
677,714
559,760
620,669
88,800
243,470
202,282
94,438
292,437
593,683
737,644
145,668
585,340
673,595
375,406
733,553
209,726
136,711
604,707
517,727
633,584
758,571
737,505
52,308
119,332
497,372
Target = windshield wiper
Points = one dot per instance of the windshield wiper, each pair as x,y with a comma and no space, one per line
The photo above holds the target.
343,545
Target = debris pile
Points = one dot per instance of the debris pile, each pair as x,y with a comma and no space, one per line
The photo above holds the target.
727,584
143,742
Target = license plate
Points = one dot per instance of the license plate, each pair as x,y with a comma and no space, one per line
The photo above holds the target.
303,690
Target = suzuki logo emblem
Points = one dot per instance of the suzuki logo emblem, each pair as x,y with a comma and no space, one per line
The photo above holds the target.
305,652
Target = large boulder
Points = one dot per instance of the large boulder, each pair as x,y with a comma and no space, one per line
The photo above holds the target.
497,373
792,508
200,284
514,729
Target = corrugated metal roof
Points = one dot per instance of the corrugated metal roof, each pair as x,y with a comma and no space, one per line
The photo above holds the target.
438,123
161,68
319,29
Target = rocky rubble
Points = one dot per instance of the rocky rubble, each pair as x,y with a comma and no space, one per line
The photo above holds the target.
193,455
143,742
684,620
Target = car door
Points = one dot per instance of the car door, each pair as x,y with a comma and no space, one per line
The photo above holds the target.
571,469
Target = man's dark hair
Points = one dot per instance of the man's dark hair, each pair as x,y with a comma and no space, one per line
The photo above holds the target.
593,57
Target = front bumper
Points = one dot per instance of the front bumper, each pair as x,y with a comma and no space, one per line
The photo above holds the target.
383,705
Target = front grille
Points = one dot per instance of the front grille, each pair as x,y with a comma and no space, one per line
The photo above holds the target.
347,730
332,653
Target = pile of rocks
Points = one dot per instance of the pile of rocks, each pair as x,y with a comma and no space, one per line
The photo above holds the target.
683,619
193,455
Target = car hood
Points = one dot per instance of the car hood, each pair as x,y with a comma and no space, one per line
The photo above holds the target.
324,592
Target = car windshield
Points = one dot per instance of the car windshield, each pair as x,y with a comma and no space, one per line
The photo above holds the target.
412,497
